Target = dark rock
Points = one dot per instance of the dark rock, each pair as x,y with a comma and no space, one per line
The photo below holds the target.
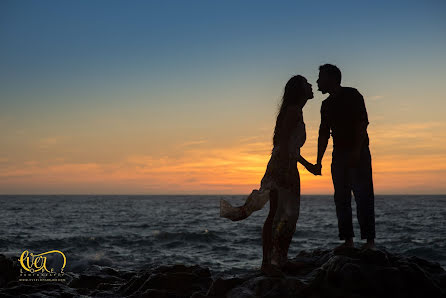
173,281
152,293
375,273
263,286
318,273
92,281
135,283
375,257
9,270
221,286
428,266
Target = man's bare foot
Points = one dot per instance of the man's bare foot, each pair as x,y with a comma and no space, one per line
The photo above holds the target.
347,244
369,245
271,270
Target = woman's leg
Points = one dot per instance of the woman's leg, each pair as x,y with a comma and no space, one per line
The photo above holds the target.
293,209
284,223
268,228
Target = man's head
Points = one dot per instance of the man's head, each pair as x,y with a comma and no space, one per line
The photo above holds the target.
329,78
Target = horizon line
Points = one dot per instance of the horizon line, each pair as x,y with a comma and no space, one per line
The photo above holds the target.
188,194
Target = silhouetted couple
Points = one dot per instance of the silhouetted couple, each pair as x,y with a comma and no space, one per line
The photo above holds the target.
344,115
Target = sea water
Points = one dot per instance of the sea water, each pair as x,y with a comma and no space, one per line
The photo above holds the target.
133,232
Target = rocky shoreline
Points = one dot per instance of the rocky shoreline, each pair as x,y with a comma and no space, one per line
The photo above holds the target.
321,273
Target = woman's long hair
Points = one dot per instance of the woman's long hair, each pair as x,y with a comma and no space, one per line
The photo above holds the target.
292,94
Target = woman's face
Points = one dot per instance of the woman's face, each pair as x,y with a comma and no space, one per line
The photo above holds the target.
308,90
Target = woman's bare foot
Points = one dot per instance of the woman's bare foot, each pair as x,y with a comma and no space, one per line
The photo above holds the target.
271,270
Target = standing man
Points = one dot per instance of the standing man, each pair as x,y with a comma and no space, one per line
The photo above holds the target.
343,114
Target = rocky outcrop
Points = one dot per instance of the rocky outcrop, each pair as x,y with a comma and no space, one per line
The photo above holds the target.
317,273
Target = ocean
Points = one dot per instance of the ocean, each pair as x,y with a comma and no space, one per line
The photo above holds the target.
131,232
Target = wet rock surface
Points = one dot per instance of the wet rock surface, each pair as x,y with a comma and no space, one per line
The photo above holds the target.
317,273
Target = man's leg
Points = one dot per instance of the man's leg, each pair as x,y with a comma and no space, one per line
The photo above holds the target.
362,184
342,197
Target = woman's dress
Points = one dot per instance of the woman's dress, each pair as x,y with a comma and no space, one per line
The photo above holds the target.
282,177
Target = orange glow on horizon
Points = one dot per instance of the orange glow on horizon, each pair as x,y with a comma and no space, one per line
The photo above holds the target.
230,170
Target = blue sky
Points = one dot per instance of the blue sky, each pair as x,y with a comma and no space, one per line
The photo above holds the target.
144,77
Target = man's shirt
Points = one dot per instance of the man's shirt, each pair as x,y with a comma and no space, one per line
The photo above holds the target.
341,114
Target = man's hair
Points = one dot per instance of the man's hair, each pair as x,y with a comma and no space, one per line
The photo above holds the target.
332,70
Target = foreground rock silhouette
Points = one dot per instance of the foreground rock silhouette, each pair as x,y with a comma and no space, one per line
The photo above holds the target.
317,273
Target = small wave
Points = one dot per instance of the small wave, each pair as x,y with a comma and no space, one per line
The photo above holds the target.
174,244
89,242
248,240
139,226
81,263
205,236
426,252
218,248
59,243
309,233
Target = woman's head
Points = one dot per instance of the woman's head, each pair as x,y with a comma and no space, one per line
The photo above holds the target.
297,91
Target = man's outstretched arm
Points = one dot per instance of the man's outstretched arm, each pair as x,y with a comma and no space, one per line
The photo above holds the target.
324,135
322,143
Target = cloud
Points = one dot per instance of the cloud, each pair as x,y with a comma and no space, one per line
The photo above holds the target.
375,97
190,172
404,157
405,139
47,142
193,143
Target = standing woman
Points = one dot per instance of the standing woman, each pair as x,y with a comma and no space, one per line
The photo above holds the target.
281,183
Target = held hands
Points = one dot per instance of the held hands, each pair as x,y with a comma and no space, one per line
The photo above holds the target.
315,169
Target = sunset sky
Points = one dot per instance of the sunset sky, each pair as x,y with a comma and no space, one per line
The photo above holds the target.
180,97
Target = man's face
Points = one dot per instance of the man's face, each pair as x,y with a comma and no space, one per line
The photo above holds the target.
323,82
